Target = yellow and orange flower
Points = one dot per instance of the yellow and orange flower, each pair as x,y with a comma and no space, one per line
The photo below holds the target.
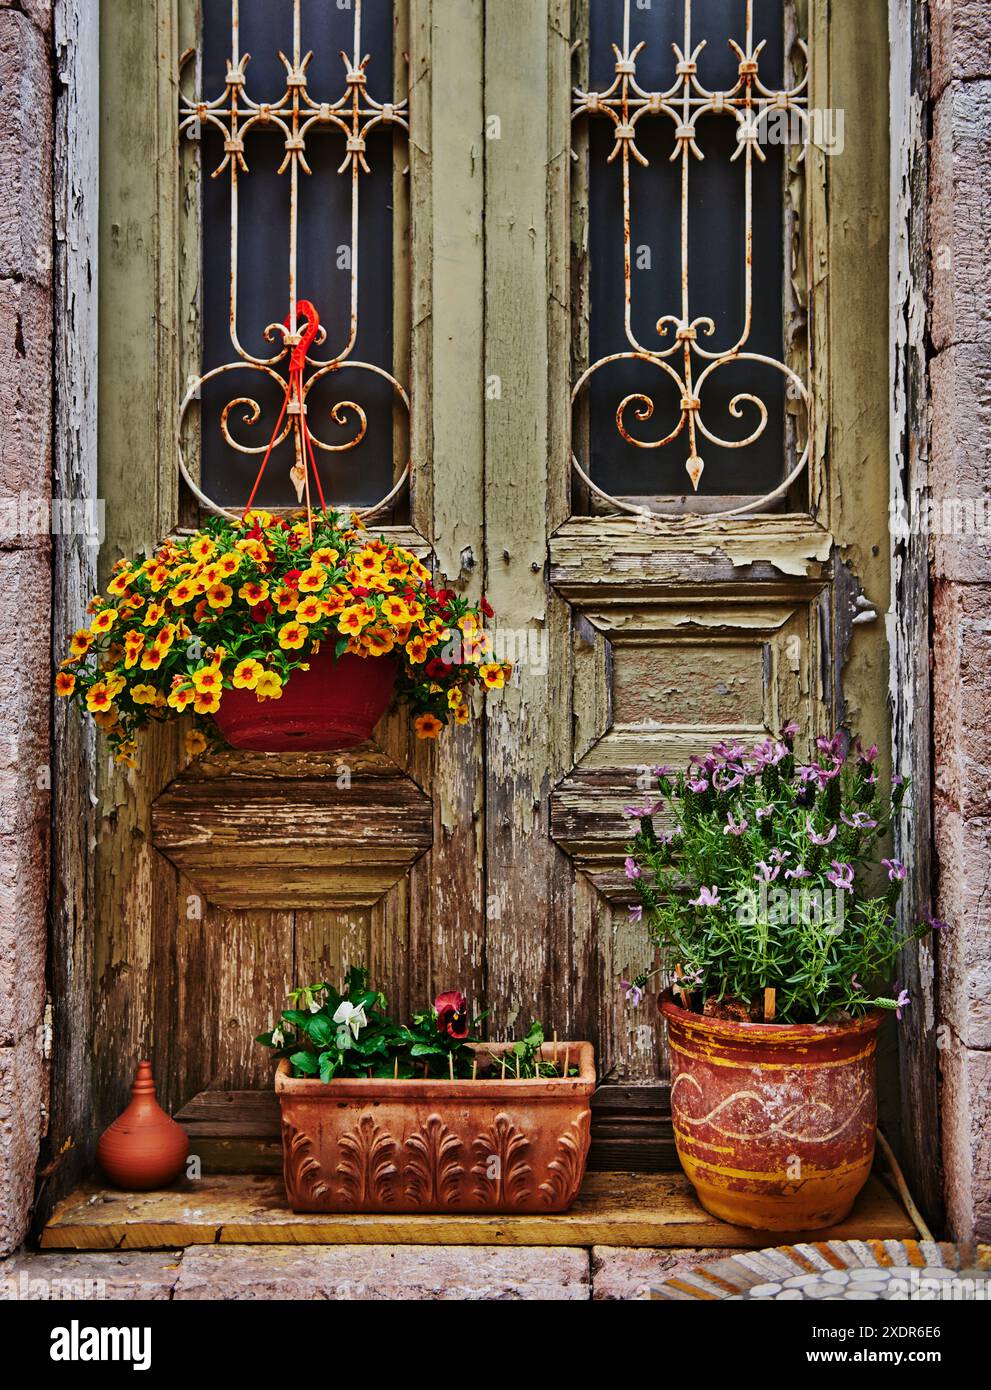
310,610
427,725
246,674
154,613
103,621
182,592
228,564
493,675
269,686
354,618
220,596
202,548
312,580
378,640
65,683
133,646
396,611
285,598
207,679
98,698
152,658
206,701
292,635
253,592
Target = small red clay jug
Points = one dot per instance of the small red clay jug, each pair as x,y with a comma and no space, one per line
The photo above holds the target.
144,1147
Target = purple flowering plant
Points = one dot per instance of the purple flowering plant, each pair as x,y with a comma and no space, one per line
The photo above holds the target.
756,870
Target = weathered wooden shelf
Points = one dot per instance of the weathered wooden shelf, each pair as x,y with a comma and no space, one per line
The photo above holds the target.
627,1209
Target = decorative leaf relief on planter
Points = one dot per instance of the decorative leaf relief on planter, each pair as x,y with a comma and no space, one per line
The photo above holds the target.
368,1171
501,1173
565,1170
303,1171
434,1171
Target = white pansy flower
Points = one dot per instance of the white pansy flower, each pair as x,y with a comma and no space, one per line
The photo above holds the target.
351,1017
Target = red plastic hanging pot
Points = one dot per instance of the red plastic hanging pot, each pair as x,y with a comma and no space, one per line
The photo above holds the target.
335,704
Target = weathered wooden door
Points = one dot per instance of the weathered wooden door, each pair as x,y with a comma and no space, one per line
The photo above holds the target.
686,276
558,252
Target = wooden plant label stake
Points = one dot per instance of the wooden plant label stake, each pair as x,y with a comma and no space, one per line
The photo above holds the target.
450,1058
395,1070
503,1076
474,1066
769,1004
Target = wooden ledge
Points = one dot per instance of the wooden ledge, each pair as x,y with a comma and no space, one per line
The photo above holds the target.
619,1209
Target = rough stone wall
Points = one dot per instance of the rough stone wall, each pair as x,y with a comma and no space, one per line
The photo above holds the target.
25,591
960,383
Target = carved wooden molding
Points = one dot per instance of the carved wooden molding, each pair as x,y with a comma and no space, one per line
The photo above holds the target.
658,679
292,841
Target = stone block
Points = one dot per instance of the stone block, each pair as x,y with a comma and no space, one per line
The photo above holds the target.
383,1272
25,688
960,215
966,1107
88,1276
960,34
26,391
25,150
962,697
23,1101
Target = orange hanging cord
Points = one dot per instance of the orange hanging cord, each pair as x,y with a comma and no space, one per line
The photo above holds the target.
294,404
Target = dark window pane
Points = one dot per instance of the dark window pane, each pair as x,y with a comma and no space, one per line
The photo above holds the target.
716,256
363,474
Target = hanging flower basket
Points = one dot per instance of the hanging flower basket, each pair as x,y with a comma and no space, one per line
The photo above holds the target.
277,633
280,633
335,704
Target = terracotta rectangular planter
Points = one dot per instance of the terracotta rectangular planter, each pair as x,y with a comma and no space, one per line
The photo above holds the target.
437,1146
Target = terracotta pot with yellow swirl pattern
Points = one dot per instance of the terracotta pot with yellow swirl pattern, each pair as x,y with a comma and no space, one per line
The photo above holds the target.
774,1123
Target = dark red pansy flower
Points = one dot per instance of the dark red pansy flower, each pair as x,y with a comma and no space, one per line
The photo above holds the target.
261,611
452,1016
487,608
359,591
437,668
291,577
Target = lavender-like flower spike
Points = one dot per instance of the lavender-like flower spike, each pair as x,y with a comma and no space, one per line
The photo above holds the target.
841,876
632,867
901,1002
896,869
633,992
815,837
708,897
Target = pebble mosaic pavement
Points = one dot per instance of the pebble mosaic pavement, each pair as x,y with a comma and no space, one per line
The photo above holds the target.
838,1271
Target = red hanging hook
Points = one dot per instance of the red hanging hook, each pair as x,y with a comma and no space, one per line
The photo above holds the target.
294,391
